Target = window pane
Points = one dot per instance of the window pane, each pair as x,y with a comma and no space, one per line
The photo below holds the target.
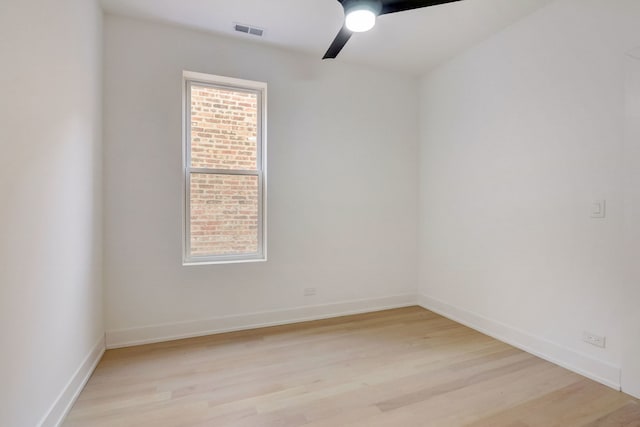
224,126
224,214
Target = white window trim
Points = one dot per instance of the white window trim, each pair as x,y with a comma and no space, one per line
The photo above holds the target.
189,77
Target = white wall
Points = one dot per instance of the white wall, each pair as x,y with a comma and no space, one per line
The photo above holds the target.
342,187
51,317
518,136
630,312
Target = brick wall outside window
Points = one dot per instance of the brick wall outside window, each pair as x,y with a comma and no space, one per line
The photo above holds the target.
224,208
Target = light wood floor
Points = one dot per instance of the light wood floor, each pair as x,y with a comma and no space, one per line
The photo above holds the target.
405,367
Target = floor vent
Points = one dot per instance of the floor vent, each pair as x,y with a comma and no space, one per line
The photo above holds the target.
248,29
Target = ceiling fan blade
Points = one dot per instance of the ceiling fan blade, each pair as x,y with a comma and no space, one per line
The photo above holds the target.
338,43
402,5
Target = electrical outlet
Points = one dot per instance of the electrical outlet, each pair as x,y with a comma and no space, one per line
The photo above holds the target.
594,339
309,292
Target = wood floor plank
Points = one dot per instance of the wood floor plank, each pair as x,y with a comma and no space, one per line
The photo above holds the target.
626,416
407,367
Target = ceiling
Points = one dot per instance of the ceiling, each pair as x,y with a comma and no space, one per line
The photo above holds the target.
411,42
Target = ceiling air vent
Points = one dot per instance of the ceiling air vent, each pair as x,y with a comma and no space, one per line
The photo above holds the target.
248,29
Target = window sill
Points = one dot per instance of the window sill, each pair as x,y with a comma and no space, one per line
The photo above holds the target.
225,261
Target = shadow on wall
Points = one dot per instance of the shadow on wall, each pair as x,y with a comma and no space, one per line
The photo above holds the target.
631,346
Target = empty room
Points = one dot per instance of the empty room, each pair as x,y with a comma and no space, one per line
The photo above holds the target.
320,213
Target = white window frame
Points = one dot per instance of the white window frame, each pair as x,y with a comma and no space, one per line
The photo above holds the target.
260,89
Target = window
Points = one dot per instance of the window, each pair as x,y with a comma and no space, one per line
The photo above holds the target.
224,170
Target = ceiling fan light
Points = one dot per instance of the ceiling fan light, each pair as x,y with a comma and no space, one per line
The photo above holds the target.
360,20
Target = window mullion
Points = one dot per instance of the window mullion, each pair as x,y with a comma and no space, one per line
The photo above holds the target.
224,171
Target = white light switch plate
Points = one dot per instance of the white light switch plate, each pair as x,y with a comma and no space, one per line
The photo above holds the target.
599,209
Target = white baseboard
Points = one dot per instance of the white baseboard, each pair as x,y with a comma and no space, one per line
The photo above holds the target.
70,392
579,363
189,329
